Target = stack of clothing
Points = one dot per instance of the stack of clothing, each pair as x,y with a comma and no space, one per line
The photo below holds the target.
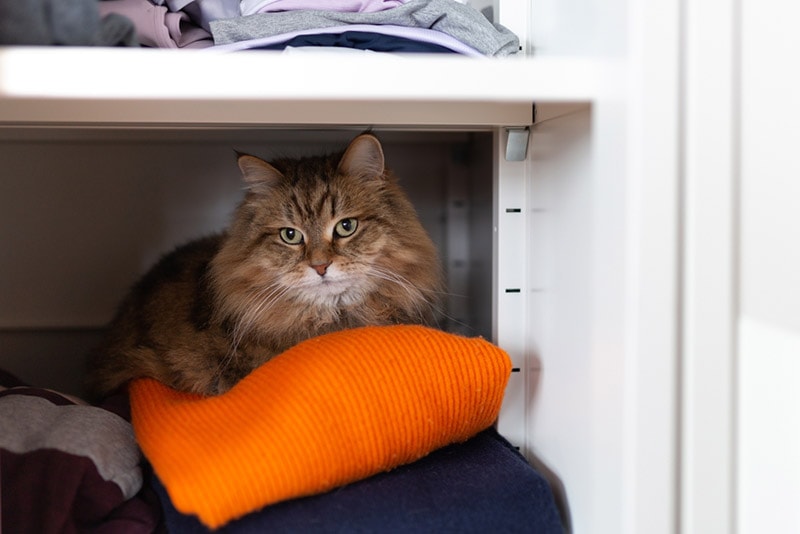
434,26
377,25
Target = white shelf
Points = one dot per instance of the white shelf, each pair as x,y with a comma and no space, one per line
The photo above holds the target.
191,88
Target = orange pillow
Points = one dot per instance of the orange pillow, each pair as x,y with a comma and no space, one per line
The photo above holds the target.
330,411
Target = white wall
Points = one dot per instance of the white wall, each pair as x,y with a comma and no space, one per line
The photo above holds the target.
768,490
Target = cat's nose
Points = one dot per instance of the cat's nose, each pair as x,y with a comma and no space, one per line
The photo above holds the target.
321,268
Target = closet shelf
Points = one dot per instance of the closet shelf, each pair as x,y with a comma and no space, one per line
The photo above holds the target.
106,87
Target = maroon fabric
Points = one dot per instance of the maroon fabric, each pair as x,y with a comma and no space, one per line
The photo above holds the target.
47,490
52,396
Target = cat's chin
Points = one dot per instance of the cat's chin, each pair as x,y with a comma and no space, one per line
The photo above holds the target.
331,293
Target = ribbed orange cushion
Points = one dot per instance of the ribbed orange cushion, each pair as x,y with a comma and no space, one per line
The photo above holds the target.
332,410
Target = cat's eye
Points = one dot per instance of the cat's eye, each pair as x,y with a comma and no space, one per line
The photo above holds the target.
345,227
290,236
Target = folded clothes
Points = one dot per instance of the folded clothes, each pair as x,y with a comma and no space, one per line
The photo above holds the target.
201,12
55,22
66,466
250,7
156,26
360,41
447,16
421,35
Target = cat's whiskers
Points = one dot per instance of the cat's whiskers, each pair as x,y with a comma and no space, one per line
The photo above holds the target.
416,293
253,307
406,284
249,309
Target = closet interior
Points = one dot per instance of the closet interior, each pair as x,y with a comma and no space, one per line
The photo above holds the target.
519,167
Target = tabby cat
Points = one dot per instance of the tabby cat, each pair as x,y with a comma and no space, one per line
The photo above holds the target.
317,244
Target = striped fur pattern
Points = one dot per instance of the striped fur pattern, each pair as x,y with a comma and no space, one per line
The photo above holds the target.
318,244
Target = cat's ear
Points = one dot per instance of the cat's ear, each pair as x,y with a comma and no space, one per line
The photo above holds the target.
258,173
364,157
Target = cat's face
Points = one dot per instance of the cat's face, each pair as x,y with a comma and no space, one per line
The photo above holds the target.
331,233
320,234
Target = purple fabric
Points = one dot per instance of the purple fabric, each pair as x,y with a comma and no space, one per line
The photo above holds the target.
422,35
204,11
156,26
52,396
249,7
49,491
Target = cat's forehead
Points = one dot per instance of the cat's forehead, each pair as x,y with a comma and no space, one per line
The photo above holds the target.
313,190
308,169
325,199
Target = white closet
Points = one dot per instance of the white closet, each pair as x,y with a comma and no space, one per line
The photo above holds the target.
609,261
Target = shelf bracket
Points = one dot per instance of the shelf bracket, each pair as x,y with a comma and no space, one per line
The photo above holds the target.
517,143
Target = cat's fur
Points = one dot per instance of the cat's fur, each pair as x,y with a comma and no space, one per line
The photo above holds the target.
213,310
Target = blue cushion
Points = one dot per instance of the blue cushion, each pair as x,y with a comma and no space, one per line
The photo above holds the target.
482,485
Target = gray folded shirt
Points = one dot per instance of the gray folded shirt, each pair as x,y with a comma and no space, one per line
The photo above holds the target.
447,16
58,22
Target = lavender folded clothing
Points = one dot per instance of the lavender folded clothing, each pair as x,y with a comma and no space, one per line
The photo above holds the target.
250,7
158,27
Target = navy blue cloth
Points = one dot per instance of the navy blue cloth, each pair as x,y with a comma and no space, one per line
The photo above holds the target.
361,41
482,485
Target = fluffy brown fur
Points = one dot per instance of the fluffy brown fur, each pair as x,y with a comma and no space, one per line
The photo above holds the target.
318,244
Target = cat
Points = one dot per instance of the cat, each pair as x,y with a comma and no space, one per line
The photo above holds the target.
317,244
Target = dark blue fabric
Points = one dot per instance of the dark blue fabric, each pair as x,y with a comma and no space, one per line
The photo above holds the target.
482,485
361,41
